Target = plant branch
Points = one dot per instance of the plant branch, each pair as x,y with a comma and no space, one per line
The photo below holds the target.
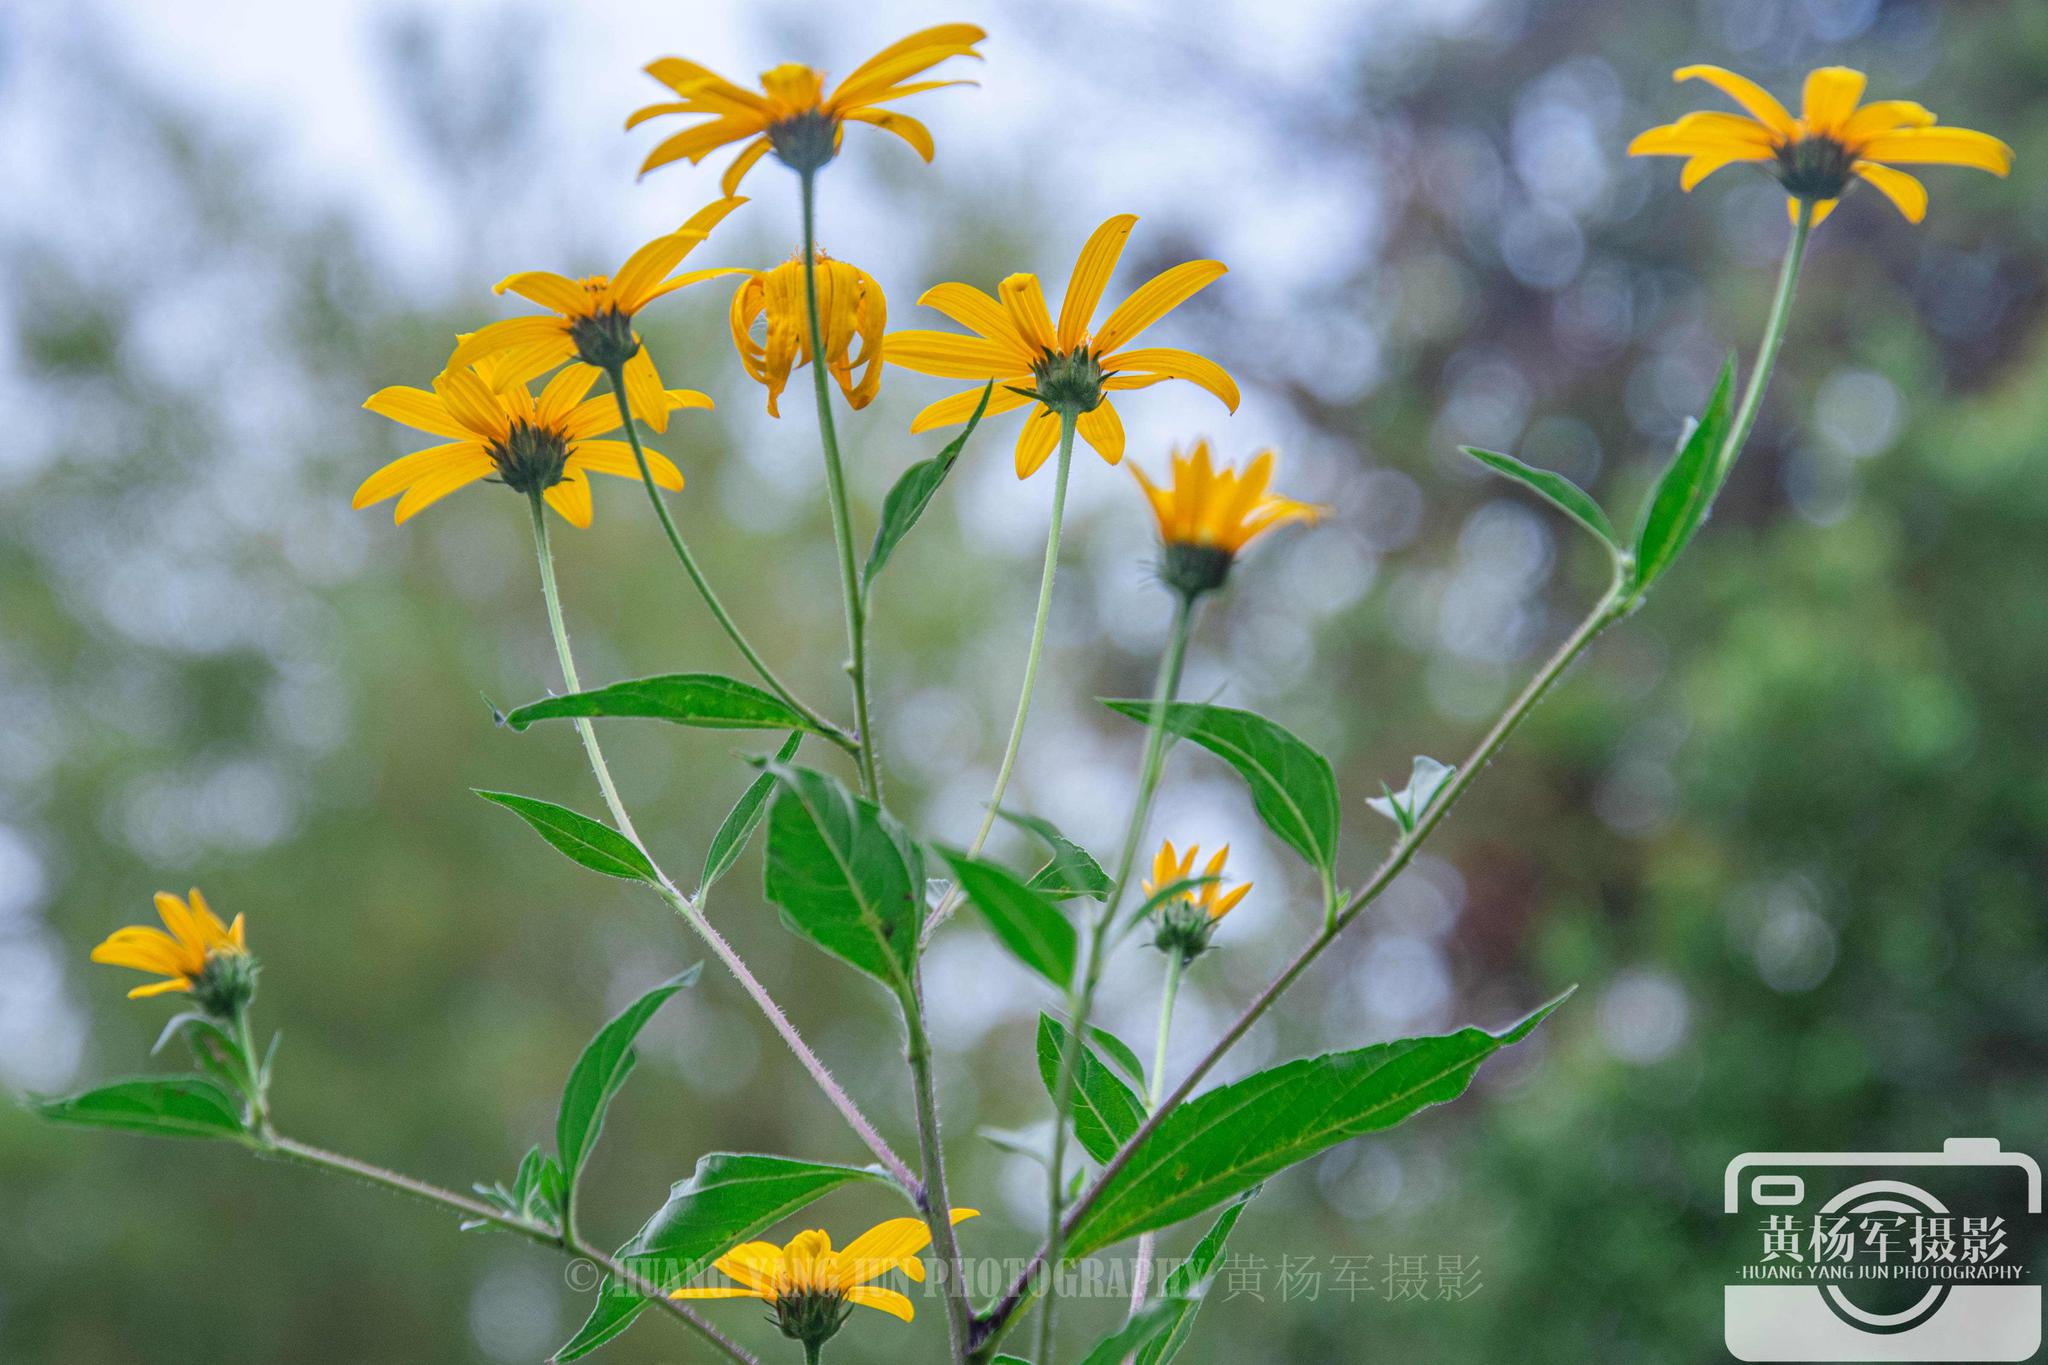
936,1202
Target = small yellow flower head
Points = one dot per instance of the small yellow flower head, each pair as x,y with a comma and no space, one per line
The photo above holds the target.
812,1287
1188,921
1207,516
851,308
543,444
592,318
1066,368
199,955
792,115
1836,140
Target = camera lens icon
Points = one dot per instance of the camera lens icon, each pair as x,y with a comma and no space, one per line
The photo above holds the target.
1875,1198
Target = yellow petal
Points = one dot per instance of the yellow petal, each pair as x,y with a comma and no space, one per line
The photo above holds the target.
974,310
544,287
470,402
427,491
563,393
950,356
1831,96
1761,104
418,409
644,391
939,35
1092,270
1154,299
729,183
904,126
1941,147
1705,164
571,497
616,457
694,144
1884,116
696,82
718,1291
1040,434
1104,430
402,473
960,406
512,334
1903,190
1024,300
176,983
1176,364
888,1300
1821,209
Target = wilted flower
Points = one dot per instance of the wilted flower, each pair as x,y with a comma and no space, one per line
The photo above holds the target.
1834,141
593,318
851,308
539,445
791,114
1064,368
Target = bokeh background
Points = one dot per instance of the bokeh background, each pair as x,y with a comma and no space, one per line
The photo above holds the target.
1786,828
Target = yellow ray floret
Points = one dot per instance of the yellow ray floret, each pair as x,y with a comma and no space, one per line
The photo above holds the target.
1221,509
1068,364
1835,141
1169,866
179,956
806,1269
791,114
591,319
851,308
544,444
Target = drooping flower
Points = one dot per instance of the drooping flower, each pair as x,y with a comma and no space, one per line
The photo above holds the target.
1188,919
1835,141
1207,516
812,1287
1064,368
791,115
592,318
542,445
851,307
198,955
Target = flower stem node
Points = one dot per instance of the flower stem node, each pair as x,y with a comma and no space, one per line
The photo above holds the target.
1192,570
605,338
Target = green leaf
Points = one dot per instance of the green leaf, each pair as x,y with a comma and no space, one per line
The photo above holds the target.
599,1073
731,839
1026,922
1425,779
1292,786
1188,1284
1106,1111
1224,1142
582,839
1685,494
845,874
914,492
1139,1332
1120,1055
613,1313
167,1106
1072,872
705,700
1561,492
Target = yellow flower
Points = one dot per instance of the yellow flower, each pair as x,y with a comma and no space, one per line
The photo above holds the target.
792,115
1063,367
1219,509
850,307
593,318
1188,921
1835,140
196,939
542,444
812,1287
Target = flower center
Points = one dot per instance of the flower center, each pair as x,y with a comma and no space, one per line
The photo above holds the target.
1069,381
604,338
530,458
1815,167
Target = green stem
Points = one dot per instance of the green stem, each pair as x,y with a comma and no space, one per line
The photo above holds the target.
691,911
337,1164
259,1088
1774,337
1155,1084
689,562
842,522
1081,1000
936,1201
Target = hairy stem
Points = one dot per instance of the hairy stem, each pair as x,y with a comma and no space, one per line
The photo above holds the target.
842,522
1155,1085
690,910
567,1243
689,562
936,1201
1081,999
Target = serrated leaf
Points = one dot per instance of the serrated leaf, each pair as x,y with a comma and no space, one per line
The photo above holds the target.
1106,1111
1072,871
913,492
1024,921
165,1106
706,701
1224,1142
1425,779
1559,491
1187,1286
598,1074
730,1197
738,827
1292,787
1685,493
579,838
844,874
